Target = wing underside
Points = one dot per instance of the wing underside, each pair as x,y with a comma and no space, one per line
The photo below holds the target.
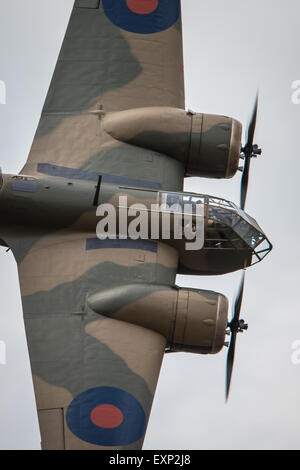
84,363
105,68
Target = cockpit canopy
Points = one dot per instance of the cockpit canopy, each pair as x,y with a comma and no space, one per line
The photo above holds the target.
227,227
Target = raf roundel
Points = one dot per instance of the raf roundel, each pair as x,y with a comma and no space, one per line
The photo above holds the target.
142,16
106,416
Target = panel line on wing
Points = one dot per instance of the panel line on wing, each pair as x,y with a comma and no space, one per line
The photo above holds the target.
74,173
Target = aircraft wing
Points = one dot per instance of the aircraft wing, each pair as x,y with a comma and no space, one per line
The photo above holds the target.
95,377
112,59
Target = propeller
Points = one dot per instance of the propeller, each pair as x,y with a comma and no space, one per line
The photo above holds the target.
249,151
235,326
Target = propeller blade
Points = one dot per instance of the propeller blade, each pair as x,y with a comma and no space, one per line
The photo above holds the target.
238,301
230,362
234,328
244,182
248,151
252,125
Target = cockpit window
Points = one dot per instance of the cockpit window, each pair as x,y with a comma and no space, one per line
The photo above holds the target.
228,226
187,202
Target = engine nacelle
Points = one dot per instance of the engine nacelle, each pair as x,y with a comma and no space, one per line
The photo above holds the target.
207,145
191,320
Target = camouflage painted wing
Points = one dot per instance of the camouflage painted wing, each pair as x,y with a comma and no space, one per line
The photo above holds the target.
112,58
94,376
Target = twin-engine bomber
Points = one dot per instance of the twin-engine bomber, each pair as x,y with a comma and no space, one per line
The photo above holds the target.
99,225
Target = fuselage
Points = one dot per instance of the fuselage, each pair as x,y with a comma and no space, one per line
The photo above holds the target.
31,206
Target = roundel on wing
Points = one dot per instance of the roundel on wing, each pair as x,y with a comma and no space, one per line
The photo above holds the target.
106,416
142,16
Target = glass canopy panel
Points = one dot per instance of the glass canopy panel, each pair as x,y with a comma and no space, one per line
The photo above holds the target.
221,214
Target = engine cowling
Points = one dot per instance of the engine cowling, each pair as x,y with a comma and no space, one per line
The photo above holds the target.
191,320
208,145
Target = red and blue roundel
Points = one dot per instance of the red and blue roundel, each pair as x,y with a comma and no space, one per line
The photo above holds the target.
142,16
106,416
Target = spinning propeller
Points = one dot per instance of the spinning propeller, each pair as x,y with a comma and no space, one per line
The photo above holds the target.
236,325
249,151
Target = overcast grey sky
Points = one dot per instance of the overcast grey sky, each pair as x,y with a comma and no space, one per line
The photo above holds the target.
230,48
